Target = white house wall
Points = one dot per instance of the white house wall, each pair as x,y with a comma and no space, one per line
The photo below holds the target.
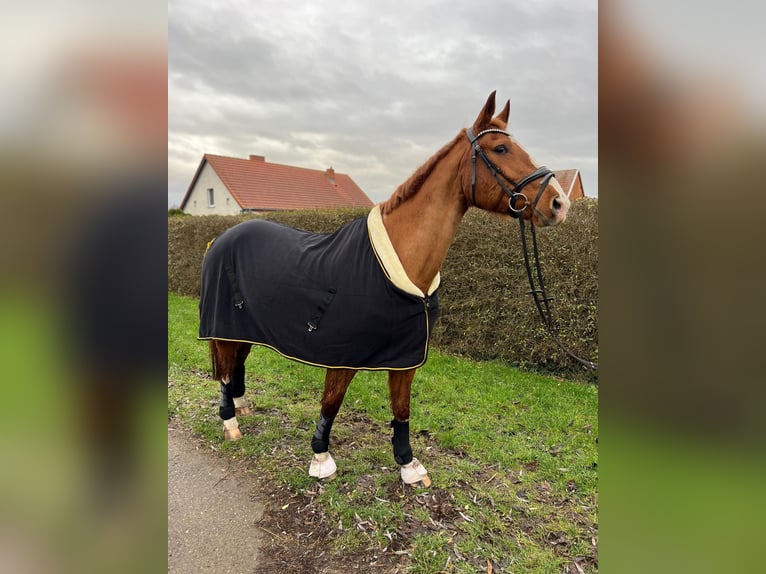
197,203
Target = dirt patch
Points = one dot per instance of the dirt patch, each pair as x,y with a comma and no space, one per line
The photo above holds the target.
298,535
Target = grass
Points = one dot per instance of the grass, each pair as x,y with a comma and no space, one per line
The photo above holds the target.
513,457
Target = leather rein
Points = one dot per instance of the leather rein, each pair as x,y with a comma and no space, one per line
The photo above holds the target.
536,284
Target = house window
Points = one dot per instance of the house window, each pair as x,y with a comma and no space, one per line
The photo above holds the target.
210,197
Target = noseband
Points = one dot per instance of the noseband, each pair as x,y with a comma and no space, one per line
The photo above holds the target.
514,195
539,295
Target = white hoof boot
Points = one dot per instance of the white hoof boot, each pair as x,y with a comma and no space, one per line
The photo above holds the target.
414,472
323,466
231,429
242,407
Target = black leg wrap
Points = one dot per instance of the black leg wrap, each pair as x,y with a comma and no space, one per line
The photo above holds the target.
226,408
237,382
321,441
401,442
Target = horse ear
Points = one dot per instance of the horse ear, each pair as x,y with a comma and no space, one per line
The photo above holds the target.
485,115
505,114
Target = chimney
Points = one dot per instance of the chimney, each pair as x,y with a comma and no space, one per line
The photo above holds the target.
330,173
258,158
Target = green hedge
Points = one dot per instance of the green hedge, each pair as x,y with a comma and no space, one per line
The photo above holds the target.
485,310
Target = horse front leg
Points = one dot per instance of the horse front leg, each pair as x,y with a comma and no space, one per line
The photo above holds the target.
400,387
336,384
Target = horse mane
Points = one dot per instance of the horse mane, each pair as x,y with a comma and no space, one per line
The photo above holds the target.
413,184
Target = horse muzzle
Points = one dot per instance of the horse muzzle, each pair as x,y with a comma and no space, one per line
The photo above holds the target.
550,211
559,207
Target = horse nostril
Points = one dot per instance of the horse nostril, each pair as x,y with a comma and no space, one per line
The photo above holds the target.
556,204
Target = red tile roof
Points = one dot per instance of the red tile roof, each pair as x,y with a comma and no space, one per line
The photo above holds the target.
567,179
258,185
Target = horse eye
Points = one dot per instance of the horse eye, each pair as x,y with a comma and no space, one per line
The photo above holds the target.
501,149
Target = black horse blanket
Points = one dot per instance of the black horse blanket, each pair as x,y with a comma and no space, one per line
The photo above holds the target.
321,299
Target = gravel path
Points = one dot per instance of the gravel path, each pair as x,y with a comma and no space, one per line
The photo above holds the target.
212,511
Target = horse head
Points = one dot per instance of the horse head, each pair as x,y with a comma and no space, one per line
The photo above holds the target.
503,176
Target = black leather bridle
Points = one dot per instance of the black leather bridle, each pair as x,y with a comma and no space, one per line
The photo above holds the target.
514,195
537,287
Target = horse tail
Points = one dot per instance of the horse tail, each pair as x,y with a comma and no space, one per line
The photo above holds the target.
215,367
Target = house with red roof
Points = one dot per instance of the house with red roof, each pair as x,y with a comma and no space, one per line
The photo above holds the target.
227,186
571,182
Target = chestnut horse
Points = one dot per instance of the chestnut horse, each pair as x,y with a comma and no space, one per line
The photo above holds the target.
420,219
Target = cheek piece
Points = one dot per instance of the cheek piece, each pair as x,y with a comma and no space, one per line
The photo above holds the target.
401,442
321,441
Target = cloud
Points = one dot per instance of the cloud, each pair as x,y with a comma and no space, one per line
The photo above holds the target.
375,90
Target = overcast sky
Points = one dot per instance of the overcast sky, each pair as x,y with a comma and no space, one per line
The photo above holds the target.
375,88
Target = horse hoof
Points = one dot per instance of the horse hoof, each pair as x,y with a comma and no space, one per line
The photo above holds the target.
242,411
232,434
415,474
425,482
323,466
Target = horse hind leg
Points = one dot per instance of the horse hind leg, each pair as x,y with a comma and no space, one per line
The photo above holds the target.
228,360
241,404
412,471
335,386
